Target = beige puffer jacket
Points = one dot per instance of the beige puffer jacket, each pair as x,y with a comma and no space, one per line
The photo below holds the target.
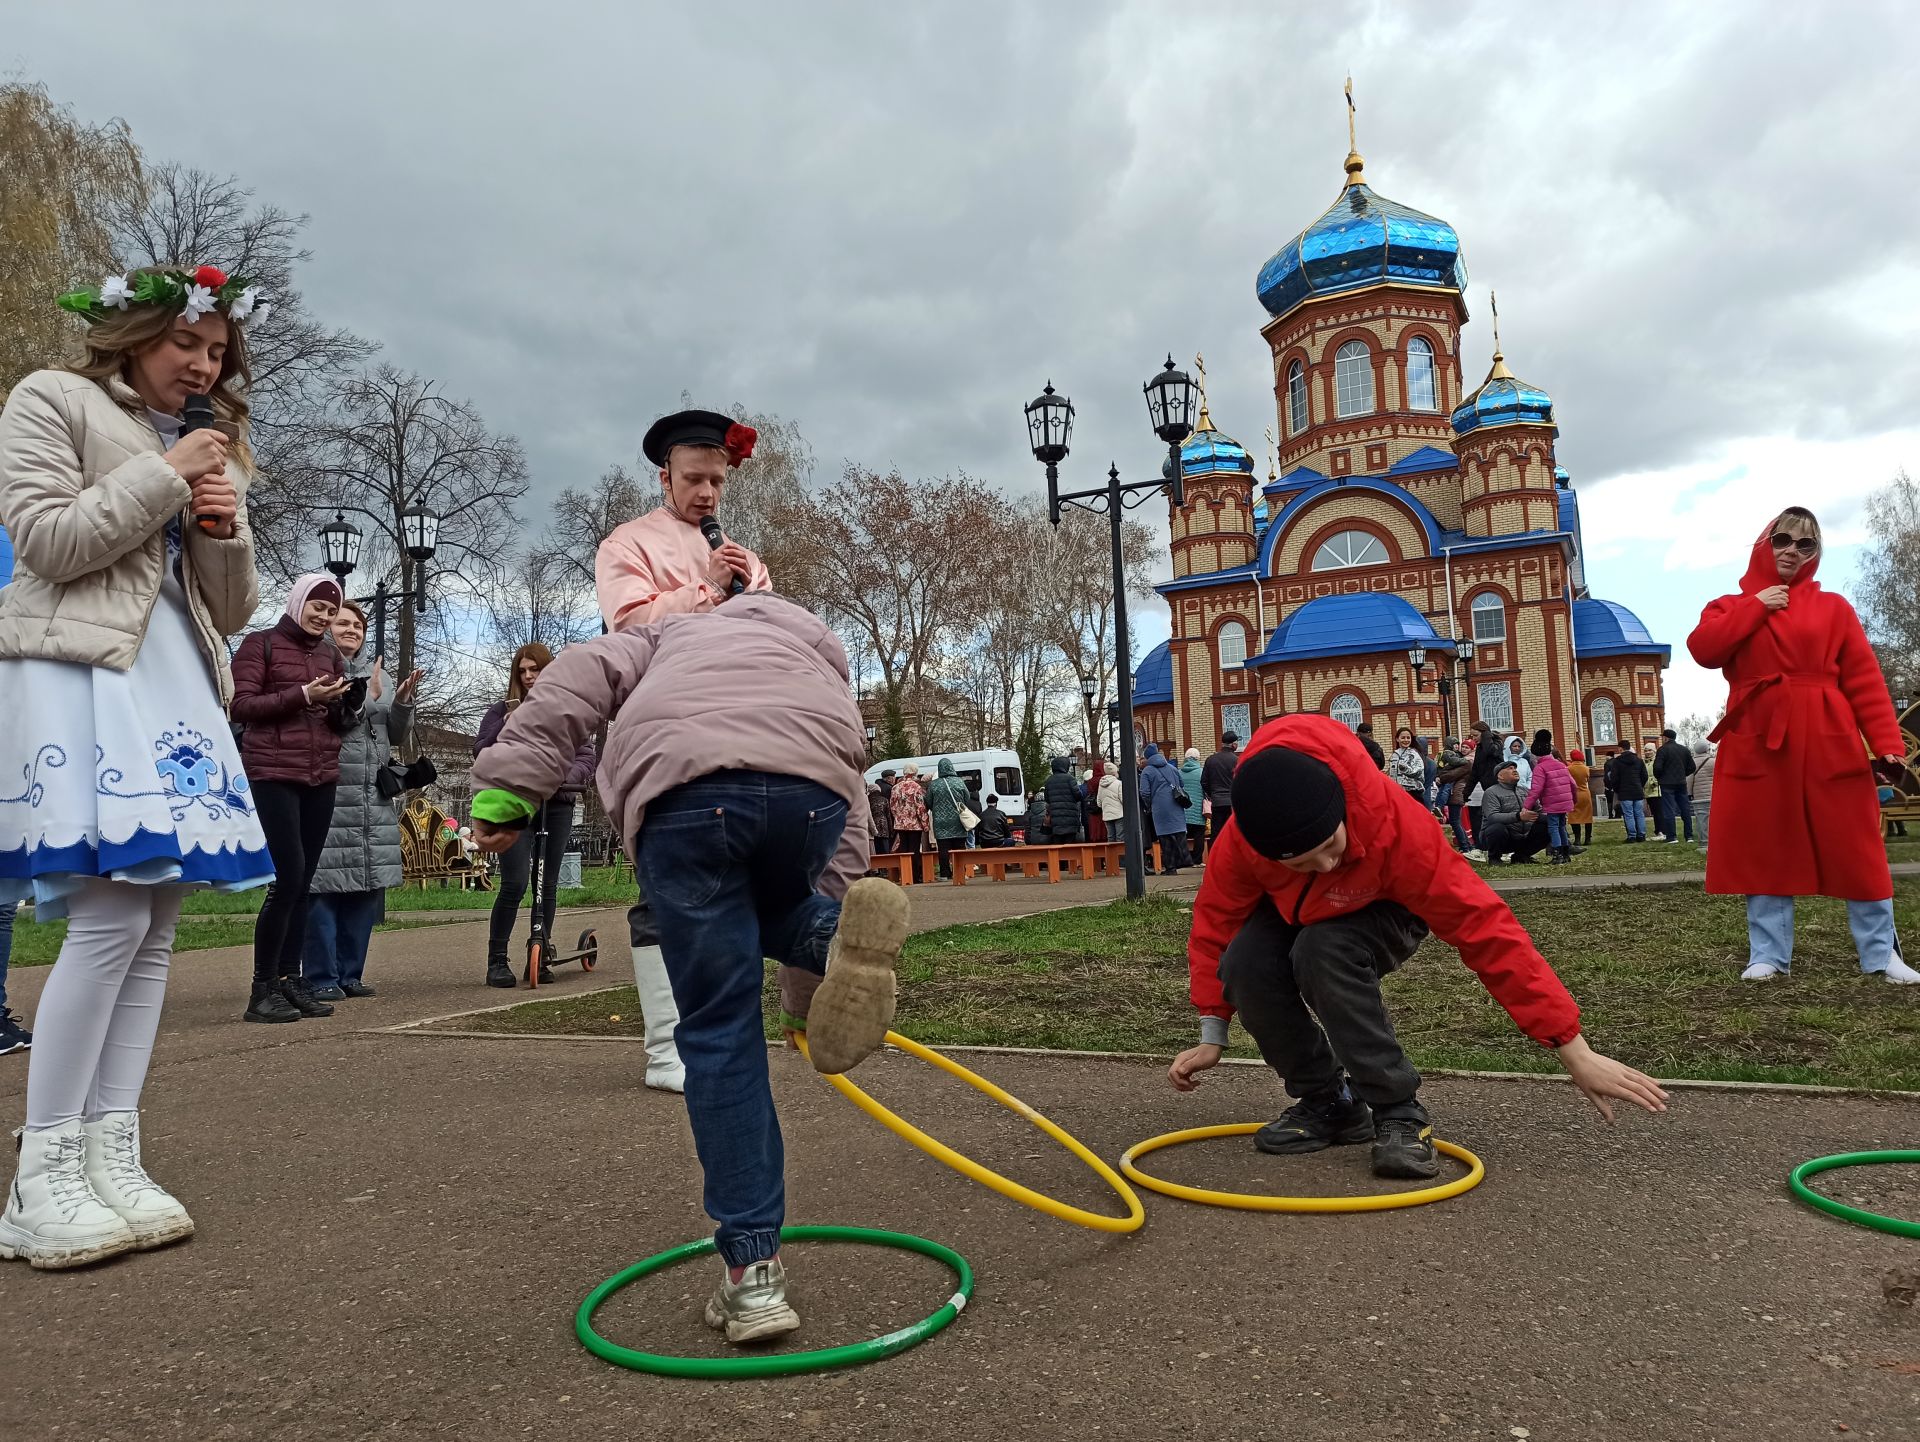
85,494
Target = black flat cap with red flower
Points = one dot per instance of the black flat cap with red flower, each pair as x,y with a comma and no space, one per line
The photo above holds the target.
698,428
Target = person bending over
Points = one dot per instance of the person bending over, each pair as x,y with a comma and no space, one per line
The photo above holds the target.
1326,879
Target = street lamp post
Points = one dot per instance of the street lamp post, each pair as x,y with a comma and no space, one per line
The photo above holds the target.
340,543
1171,402
870,733
1113,728
1087,687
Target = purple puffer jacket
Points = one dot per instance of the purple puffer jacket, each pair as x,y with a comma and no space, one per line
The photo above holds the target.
1552,791
579,775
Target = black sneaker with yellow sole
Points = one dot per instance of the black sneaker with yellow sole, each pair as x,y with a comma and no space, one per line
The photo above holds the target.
1315,1123
1403,1145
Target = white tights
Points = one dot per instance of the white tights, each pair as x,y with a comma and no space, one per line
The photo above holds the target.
94,1027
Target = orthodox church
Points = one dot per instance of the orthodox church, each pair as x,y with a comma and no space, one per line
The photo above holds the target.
1414,558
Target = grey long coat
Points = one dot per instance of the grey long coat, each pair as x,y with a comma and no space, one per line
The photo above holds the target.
363,843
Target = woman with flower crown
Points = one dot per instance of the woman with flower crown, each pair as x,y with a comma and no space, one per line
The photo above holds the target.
120,783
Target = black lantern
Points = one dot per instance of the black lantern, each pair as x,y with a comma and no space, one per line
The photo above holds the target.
1416,655
340,546
1049,426
420,529
1172,398
1464,648
1088,685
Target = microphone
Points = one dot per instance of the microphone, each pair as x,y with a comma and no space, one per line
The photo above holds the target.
197,415
710,528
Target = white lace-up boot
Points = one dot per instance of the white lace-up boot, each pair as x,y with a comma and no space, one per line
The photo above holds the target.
661,1015
53,1218
119,1180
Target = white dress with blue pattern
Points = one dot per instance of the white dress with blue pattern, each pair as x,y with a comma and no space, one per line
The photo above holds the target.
133,776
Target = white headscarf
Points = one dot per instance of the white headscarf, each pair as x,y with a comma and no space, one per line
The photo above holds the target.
303,591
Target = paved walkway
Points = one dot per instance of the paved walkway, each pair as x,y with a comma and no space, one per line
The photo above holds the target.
394,1232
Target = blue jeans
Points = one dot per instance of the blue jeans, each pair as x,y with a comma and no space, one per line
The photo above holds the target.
339,927
1700,824
1557,830
1635,813
6,949
1454,813
1770,932
730,863
1680,815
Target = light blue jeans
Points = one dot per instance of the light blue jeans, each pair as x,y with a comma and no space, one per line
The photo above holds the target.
1770,932
1635,813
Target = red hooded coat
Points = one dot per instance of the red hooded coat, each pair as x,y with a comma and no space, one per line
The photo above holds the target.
1795,807
1395,852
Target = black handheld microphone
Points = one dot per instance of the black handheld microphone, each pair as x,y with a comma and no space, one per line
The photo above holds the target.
197,415
710,528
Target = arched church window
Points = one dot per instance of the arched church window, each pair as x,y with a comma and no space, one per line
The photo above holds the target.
1346,709
1350,548
1489,619
1352,380
1606,726
1296,398
1232,646
1421,394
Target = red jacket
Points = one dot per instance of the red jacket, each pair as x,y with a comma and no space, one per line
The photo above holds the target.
1395,852
1795,806
285,738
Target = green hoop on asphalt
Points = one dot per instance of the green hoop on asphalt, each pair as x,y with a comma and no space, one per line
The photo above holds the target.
1857,1215
775,1364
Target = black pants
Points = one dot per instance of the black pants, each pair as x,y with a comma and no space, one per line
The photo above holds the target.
1173,852
1520,842
516,864
947,845
295,819
1281,977
1585,829
1196,841
1222,814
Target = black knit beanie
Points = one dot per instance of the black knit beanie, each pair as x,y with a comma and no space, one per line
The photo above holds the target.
1542,743
1286,802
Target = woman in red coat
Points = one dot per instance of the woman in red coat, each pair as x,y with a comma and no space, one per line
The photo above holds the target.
1795,799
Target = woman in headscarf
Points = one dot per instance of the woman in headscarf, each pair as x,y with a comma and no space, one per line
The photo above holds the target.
1795,800
1581,819
1516,752
946,795
292,695
1190,768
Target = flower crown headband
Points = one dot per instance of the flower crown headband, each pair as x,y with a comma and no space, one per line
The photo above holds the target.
192,293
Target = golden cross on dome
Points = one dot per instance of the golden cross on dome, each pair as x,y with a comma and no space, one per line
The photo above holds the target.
1270,472
1356,167
1499,360
1200,378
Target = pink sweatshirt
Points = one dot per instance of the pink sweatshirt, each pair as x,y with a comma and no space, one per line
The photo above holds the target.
656,567
758,684
1552,791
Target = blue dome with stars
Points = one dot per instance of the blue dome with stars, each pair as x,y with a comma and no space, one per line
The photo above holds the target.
1503,400
1208,452
1365,239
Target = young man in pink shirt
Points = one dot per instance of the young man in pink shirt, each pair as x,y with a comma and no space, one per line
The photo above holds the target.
659,565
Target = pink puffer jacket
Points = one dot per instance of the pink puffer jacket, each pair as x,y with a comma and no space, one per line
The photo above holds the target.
1552,792
755,684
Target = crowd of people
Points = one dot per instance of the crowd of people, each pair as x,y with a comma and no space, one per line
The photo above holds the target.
148,762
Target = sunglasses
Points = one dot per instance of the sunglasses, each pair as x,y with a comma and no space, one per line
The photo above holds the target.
1805,545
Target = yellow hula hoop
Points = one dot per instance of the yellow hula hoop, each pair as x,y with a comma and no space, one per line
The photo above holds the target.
967,1167
1259,1202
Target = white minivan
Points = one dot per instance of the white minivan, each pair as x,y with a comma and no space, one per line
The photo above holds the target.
996,771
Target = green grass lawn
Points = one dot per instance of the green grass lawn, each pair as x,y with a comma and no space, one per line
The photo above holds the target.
38,943
1611,856
1656,974
605,886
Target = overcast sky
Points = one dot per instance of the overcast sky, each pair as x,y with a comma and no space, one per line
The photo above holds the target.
895,222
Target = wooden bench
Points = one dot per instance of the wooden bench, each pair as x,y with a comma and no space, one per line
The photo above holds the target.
1085,858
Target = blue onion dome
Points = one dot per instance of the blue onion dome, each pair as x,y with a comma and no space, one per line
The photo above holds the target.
1208,452
1503,400
1364,239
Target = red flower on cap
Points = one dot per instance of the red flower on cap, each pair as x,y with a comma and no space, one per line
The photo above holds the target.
211,276
739,442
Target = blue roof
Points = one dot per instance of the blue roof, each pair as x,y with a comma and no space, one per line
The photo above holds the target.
1362,240
1153,682
1427,458
1208,452
1357,483
6,557
1607,628
1350,626
1207,578
1503,400
1298,476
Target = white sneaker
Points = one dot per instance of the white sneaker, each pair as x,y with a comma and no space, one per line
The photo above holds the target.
53,1219
1761,971
753,1309
667,1076
854,1006
119,1180
1477,855
1900,974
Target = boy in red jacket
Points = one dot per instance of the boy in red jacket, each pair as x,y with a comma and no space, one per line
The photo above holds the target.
1326,879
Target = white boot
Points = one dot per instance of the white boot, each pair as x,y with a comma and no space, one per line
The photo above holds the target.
53,1218
119,1180
657,1010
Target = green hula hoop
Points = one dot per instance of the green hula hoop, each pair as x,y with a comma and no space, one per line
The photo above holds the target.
775,1364
1860,1217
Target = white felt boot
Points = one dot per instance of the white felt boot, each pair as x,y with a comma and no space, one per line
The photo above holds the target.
661,1015
119,1180
53,1218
